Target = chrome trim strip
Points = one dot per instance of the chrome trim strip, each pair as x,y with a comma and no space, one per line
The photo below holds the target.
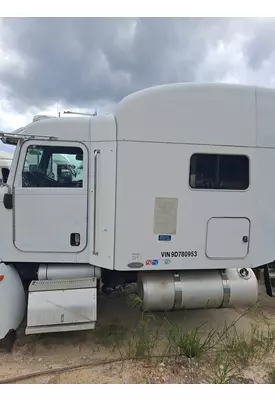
178,292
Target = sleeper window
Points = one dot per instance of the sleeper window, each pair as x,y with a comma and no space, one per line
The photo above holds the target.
219,171
53,166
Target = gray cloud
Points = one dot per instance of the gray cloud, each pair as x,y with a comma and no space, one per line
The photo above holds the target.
88,61
261,46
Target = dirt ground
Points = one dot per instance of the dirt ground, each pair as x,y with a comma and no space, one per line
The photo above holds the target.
117,318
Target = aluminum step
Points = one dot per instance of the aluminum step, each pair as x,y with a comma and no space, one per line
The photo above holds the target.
62,305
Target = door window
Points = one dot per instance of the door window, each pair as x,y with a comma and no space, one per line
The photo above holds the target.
53,166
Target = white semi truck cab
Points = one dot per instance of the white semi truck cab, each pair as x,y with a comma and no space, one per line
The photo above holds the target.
5,165
174,191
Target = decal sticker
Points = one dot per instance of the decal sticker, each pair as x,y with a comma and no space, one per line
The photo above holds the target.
165,238
136,256
173,254
155,262
167,261
165,216
148,262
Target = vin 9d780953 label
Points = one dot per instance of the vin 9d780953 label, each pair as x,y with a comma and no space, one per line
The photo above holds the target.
173,254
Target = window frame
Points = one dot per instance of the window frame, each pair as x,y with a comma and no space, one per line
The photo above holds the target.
53,143
218,189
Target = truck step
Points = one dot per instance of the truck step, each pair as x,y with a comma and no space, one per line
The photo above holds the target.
62,305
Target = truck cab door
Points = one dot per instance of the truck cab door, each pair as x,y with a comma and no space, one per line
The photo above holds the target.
50,198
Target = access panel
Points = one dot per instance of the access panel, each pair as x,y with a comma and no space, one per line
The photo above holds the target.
227,238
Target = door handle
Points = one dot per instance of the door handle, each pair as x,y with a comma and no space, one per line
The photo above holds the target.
75,239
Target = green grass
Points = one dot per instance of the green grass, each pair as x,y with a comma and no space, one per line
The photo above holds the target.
144,341
111,335
245,347
223,371
190,343
226,351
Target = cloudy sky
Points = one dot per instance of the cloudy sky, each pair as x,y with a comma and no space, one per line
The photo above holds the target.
50,64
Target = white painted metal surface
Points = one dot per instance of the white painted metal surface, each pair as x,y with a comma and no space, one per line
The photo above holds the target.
58,305
51,214
5,163
12,300
5,155
227,238
190,113
164,172
145,152
105,206
265,117
67,129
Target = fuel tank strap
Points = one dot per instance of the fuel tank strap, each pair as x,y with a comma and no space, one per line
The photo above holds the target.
226,290
178,292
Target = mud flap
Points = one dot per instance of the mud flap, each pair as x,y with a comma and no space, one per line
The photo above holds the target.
269,280
7,343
